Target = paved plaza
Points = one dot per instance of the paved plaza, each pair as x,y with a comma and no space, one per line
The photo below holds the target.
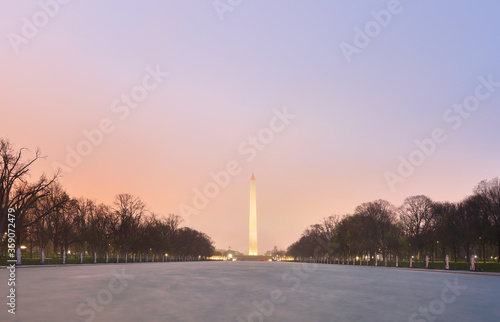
248,291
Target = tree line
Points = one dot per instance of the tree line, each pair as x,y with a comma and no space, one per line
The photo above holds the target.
47,217
420,226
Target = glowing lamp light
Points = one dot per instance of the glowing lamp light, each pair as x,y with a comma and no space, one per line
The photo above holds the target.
23,247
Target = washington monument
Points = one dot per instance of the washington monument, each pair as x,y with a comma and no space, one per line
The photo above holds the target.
253,219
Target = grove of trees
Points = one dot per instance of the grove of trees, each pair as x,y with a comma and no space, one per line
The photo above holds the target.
419,226
47,217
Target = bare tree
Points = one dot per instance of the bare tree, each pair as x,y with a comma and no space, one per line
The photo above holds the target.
100,224
416,214
57,206
378,219
131,213
489,197
317,239
74,227
15,191
44,216
39,233
448,227
190,242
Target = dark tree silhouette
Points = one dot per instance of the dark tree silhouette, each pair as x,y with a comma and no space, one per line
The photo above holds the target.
417,215
15,191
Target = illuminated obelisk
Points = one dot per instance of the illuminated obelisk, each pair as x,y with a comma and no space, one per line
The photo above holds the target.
253,219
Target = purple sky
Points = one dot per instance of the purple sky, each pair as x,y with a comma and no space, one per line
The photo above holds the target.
179,88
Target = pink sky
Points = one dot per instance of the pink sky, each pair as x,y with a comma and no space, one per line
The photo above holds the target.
226,80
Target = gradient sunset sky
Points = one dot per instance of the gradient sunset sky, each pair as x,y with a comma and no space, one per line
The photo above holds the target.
356,114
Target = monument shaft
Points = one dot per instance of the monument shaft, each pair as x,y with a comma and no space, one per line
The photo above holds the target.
253,219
